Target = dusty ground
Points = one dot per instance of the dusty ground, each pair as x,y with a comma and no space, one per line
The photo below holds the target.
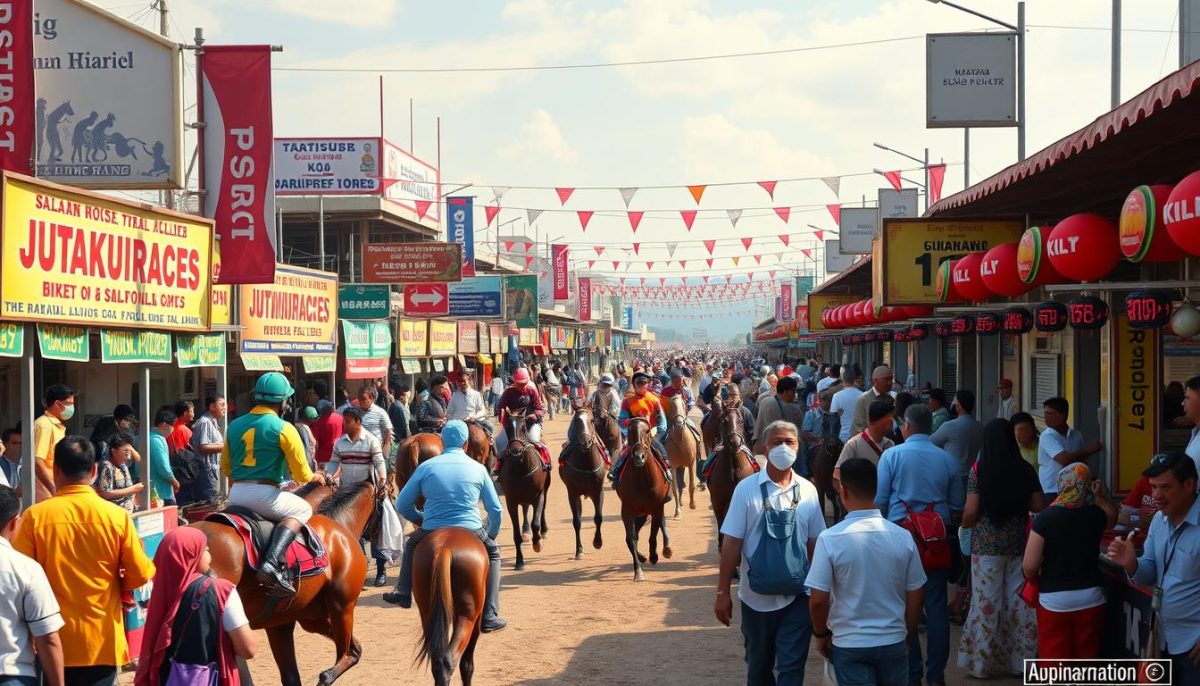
575,623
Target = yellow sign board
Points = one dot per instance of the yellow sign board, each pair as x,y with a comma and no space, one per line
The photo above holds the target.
528,337
296,315
913,249
1137,397
221,295
71,257
443,338
413,337
817,303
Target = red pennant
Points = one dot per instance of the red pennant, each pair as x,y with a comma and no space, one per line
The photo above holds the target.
422,208
616,264
662,282
784,238
893,178
937,174
635,218
528,246
649,265
758,259
807,253
769,187
819,234
599,250
636,248
710,245
750,276
585,216
835,211
746,242
697,192
689,216
709,261
491,211
528,261
784,213
683,264
564,194
508,246
772,273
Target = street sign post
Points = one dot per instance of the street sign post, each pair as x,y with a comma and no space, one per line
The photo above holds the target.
479,298
426,300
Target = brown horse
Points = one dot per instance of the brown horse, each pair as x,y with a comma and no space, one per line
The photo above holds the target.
450,568
682,450
525,484
413,451
642,489
583,474
479,445
324,604
825,457
607,428
732,463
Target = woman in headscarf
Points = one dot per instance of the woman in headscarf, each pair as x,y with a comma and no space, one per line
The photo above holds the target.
193,618
1061,558
1002,489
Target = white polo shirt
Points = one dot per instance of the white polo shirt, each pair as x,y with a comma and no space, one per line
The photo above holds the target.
1050,444
867,565
27,607
843,403
745,521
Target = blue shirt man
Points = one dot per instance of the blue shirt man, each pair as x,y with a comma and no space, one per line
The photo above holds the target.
162,478
453,484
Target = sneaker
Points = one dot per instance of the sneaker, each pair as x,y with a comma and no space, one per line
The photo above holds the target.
495,625
404,601
381,579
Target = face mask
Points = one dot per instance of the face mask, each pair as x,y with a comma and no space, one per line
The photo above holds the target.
782,456
68,412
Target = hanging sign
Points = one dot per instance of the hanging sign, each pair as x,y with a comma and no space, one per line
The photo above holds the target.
17,98
963,325
970,80
414,337
918,332
1050,317
559,256
787,309
319,364
835,261
67,343
1087,312
485,340
411,262
988,324
368,348
327,166
410,181
461,210
1017,320
1136,363
263,362
356,301
914,249
857,226
120,347
443,338
295,315
521,300
12,340
585,299
499,339
468,338
1148,309
200,350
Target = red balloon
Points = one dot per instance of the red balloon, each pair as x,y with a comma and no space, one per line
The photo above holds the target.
1084,247
1142,236
1032,265
999,271
947,292
1180,214
891,313
966,279
917,311
836,316
868,312
856,314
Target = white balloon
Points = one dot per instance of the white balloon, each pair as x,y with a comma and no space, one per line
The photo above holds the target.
1186,321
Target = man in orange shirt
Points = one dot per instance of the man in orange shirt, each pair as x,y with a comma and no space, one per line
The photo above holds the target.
90,551
645,405
48,430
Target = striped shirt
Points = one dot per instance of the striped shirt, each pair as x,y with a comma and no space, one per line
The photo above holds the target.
357,458
377,422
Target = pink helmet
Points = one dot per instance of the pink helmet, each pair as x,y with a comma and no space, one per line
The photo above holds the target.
521,375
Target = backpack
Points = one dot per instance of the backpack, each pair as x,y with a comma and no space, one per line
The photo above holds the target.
929,532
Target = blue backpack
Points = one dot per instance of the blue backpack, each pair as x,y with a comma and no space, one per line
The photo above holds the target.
780,562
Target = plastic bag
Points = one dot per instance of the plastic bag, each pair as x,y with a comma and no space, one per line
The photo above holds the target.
829,674
391,533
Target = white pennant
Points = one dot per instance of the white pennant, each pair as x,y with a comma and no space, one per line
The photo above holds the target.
627,195
834,183
532,215
499,192
734,216
671,249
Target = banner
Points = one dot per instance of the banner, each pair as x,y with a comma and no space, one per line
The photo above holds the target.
520,300
408,180
200,350
12,340
627,318
411,262
128,347
468,338
364,302
368,348
236,152
413,338
261,362
68,343
804,286
16,97
1136,360
76,258
327,166
499,338
819,302
585,299
914,249
559,257
295,315
462,229
319,364
787,305
443,338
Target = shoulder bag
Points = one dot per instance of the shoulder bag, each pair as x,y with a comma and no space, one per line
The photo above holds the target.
779,564
180,674
929,532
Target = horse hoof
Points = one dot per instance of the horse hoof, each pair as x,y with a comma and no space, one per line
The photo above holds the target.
639,576
654,560
579,554
667,552
525,538
692,505
537,546
677,515
641,558
519,566
597,543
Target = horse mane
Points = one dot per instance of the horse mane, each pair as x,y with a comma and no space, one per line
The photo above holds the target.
340,506
306,489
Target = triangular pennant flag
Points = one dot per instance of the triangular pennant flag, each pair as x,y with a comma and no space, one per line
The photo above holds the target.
627,195
819,234
591,263
649,265
709,245
422,208
528,261
617,265
784,238
835,211
736,260
528,246
807,253
683,264
834,183
637,248
564,194
585,216
769,187
709,261
671,248
499,192
689,216
508,246
758,259
784,213
662,282
750,276
893,178
772,273
734,216
747,241
635,218
491,211
697,192
937,174
532,215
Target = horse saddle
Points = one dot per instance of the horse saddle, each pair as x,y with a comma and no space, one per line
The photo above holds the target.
708,472
305,556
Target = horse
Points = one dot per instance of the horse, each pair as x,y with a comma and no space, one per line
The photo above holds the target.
731,464
642,489
825,458
479,445
324,603
607,428
413,451
525,484
682,451
450,568
583,473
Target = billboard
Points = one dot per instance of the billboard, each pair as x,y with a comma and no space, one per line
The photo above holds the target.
408,180
17,99
835,261
295,315
477,297
970,80
912,250
521,300
326,166
411,262
856,228
461,230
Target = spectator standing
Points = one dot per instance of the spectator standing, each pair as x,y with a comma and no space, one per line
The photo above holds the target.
29,613
1002,489
1060,444
304,420
962,436
495,390
327,429
1007,406
50,428
937,405
375,419
356,455
866,583
1191,416
882,379
832,376
114,483
780,405
10,462
399,414
844,400
207,437
162,478
181,433
1026,434
916,475
74,525
869,443
1061,557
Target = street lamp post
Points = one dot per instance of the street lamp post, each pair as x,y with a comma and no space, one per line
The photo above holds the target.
923,162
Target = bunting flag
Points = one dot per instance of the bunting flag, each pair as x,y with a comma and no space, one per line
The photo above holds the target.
747,241
585,216
750,276
649,265
893,178
807,253
834,183
734,216
491,211
662,282
564,194
508,246
599,250
635,218
819,234
616,265
499,192
637,248
785,239
591,263
671,248
627,195
835,211
528,246
758,259
709,245
683,264
769,187
532,215
937,174
772,273
689,216
736,259
697,192
422,208
784,213
528,261
709,261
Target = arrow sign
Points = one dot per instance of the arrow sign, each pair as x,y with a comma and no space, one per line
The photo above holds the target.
426,300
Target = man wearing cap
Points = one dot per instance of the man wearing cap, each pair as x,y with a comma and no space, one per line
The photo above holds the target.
521,398
453,484
881,388
1007,407
606,395
645,405
466,403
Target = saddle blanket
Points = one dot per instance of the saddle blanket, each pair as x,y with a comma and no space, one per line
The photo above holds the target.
713,463
305,556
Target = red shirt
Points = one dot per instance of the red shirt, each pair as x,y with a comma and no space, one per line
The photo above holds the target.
1142,498
326,430
180,436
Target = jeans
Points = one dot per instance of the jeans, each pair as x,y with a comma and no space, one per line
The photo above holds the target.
90,676
777,640
1183,670
937,632
878,666
375,554
18,681
491,606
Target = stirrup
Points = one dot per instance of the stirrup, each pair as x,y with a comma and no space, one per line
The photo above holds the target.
274,581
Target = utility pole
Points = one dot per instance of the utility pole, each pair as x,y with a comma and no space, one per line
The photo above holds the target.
168,197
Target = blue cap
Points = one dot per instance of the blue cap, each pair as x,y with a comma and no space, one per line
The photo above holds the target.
454,434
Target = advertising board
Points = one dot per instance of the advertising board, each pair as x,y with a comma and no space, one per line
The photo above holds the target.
970,80
327,166
409,179
296,315
411,262
914,249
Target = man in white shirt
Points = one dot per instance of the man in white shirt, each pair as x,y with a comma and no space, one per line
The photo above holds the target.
28,609
355,455
831,378
375,419
881,387
776,628
1060,445
467,404
844,401
1007,406
866,584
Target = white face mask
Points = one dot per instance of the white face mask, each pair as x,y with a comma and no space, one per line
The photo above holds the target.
782,456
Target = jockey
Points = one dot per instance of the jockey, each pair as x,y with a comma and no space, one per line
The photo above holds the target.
734,397
259,450
606,395
522,397
453,484
642,403
467,404
678,387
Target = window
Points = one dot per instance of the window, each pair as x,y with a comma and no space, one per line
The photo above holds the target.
949,366
1047,382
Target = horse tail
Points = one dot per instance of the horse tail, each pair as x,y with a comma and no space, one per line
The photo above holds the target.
435,643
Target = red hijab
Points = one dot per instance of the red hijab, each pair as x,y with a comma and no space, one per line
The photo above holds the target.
176,565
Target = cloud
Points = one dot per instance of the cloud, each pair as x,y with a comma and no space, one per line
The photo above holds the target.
716,148
359,13
540,138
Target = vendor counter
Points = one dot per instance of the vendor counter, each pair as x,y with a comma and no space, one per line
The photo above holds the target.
1127,615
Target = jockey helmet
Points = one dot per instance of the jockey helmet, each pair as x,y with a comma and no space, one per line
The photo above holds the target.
273,387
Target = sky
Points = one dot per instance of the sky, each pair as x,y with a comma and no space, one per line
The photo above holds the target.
800,115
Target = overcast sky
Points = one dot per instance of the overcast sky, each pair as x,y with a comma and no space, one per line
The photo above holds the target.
802,114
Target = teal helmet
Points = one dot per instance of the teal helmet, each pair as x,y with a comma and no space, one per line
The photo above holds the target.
273,387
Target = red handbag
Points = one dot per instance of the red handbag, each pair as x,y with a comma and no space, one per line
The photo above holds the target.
1029,592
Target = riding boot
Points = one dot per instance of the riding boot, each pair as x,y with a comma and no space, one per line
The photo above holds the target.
616,468
272,571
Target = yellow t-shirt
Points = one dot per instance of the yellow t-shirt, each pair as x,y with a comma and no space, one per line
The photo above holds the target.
47,432
1030,454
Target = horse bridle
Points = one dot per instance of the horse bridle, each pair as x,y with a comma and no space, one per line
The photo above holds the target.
639,449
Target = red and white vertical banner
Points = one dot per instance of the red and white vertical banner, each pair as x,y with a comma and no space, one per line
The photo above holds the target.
16,86
237,164
558,257
786,307
585,299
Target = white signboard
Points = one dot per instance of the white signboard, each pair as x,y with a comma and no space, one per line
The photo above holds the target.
857,227
1189,32
898,204
970,80
327,166
545,282
835,261
108,100
411,180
